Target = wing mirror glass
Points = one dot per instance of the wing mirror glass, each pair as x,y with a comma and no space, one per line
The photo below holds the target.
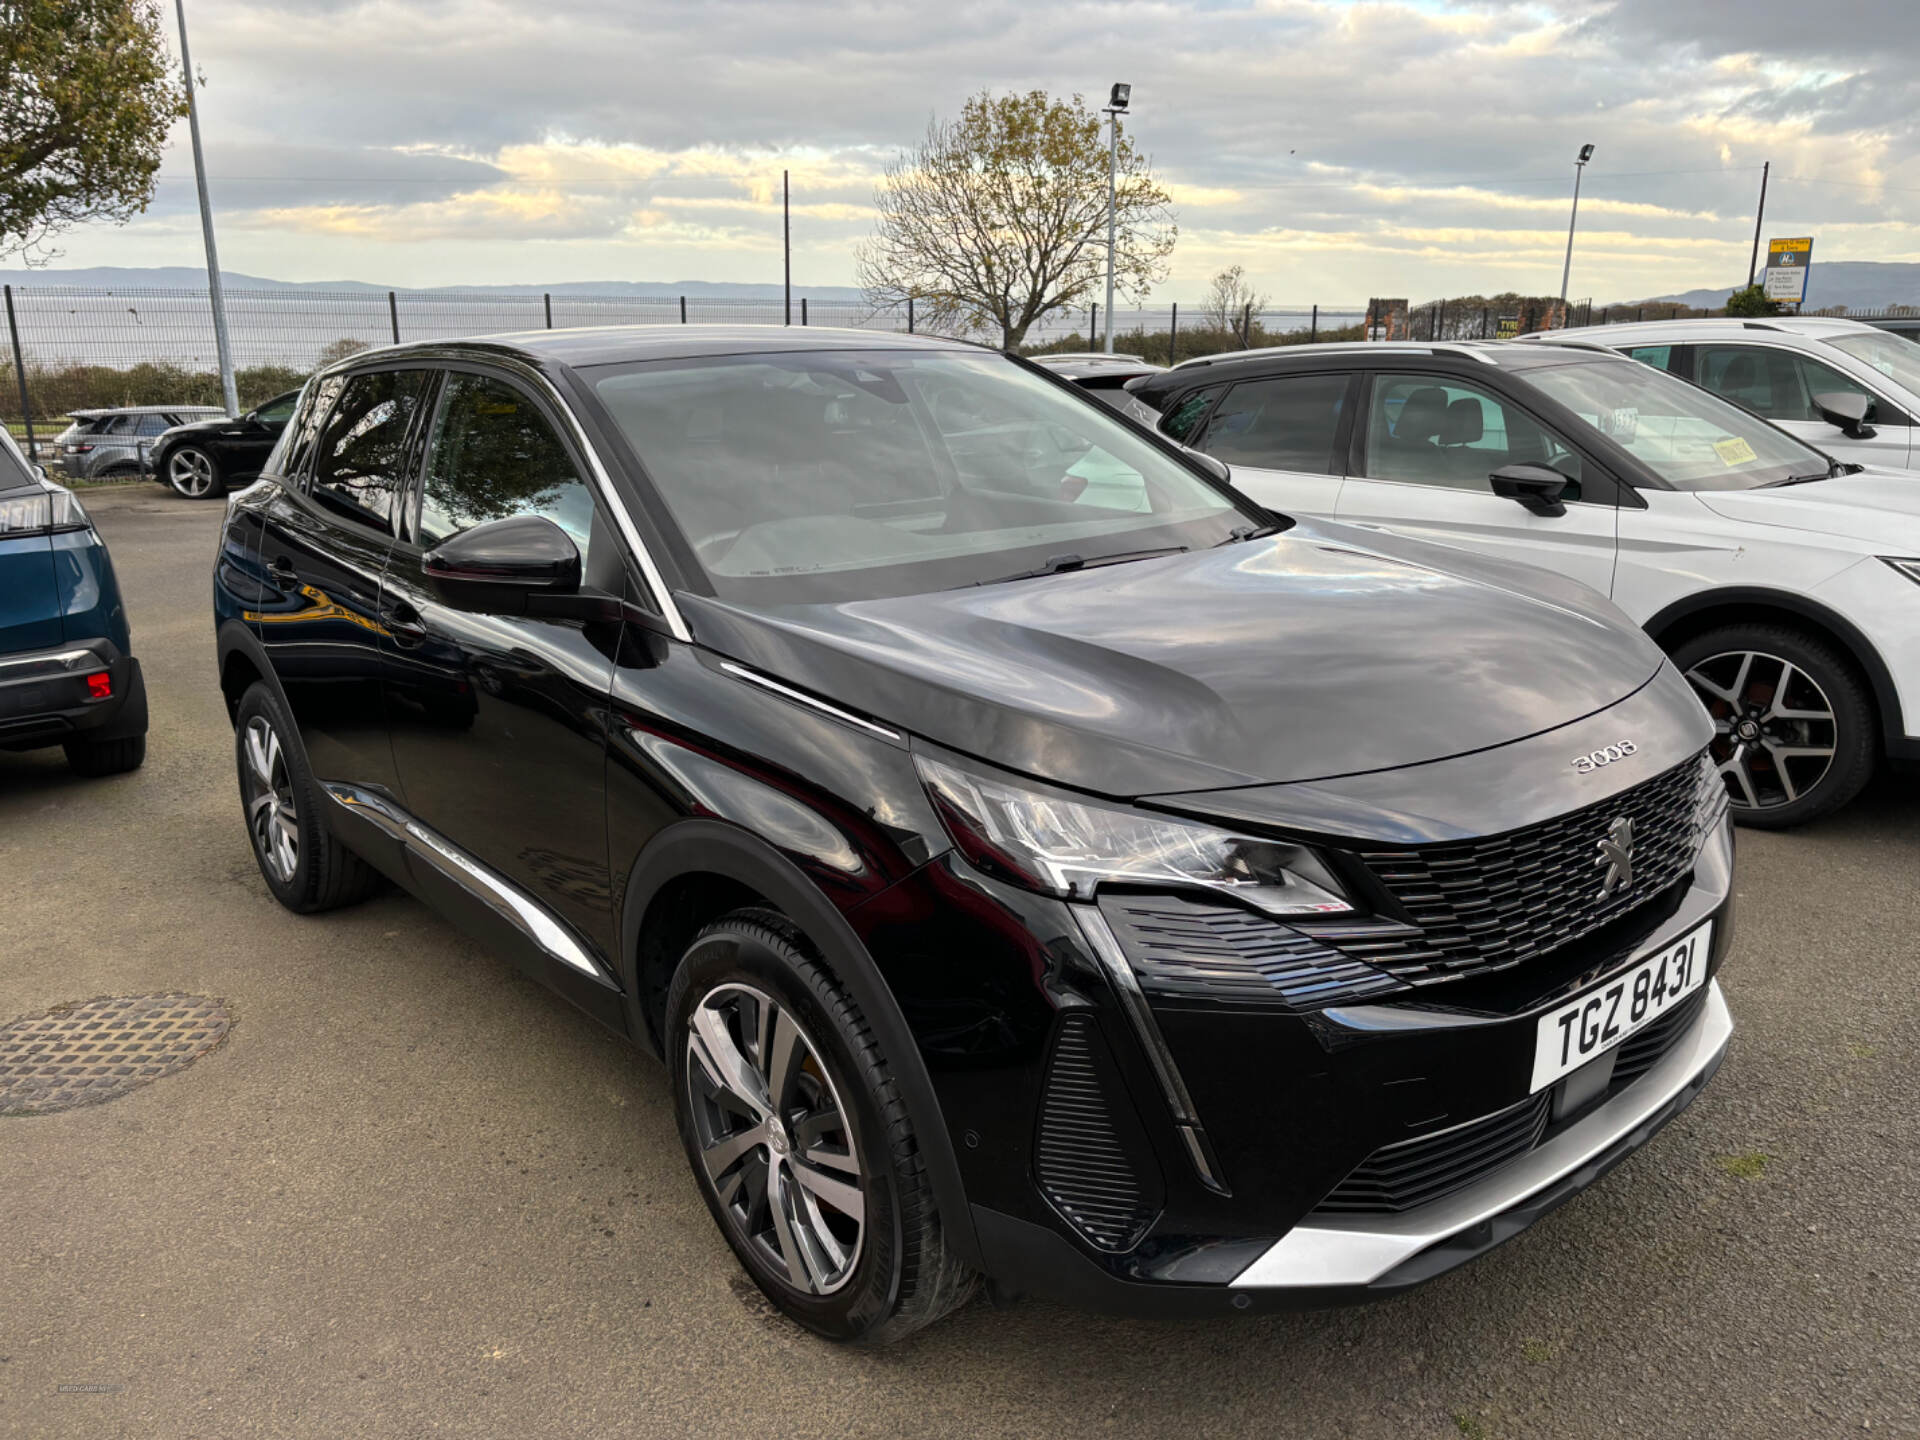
1847,412
1537,487
506,567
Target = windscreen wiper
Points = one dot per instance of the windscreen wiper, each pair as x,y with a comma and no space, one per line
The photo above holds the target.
1060,564
1834,467
1248,532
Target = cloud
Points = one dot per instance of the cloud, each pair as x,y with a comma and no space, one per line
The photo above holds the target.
1334,149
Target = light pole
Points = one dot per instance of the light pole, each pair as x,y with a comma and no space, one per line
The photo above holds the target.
215,295
1115,107
1586,154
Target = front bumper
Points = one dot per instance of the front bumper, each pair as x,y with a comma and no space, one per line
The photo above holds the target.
47,696
1222,1175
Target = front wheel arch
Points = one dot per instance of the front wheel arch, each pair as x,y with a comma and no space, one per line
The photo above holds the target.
733,861
1716,609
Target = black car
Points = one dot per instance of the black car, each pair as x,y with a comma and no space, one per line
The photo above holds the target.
199,461
1156,903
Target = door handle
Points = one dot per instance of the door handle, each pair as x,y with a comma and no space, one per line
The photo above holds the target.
404,623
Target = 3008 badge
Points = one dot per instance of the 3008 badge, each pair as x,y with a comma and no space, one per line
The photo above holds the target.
1594,760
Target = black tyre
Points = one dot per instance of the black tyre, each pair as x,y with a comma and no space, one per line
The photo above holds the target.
799,1139
94,758
1795,733
305,867
194,474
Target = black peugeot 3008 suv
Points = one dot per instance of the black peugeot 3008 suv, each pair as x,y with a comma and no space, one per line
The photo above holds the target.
1030,860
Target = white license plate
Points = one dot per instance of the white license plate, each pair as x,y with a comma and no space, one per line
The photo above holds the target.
1600,1019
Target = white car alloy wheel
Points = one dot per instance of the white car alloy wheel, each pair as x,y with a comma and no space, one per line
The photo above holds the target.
1775,731
774,1138
190,472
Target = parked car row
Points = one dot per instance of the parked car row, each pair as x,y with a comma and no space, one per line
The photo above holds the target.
195,450
1034,860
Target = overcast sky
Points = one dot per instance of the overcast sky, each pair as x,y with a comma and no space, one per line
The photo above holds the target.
1335,150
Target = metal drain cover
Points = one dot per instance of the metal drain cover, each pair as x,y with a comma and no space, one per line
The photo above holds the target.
95,1050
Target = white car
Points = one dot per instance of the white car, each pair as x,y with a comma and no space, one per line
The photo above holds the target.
1784,584
1787,369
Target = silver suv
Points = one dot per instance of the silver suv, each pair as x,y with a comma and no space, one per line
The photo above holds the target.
116,442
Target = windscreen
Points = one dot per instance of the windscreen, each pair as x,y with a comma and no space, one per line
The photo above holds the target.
1691,439
841,475
1897,359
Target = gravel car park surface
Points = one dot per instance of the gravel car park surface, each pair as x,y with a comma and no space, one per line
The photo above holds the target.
413,1193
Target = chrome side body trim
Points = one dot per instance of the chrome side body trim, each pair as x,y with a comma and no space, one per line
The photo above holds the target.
754,677
1361,1250
493,889
1113,960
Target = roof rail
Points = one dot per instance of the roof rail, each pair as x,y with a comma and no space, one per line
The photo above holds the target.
1468,348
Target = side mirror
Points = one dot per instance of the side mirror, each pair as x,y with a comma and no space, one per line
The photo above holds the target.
1847,412
1537,487
505,567
1218,469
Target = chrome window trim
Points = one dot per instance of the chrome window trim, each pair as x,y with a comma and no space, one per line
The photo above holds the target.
539,924
754,677
1359,1250
603,482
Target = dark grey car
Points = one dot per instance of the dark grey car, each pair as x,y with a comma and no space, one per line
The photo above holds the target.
116,441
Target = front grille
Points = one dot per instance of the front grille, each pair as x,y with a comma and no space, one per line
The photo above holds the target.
1643,1049
1411,1173
1080,1154
1487,904
1194,953
1417,1172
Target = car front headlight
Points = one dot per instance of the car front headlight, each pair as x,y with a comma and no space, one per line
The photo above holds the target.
1049,842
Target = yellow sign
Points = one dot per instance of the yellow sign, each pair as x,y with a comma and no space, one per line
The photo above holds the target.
1734,451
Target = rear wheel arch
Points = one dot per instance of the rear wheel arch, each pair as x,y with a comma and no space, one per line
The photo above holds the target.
701,870
1682,621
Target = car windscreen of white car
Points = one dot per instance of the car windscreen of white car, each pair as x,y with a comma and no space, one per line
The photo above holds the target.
1897,359
828,476
1690,438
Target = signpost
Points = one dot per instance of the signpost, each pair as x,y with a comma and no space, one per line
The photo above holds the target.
1787,264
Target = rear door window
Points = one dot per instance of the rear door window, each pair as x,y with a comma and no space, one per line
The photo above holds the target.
360,461
1286,423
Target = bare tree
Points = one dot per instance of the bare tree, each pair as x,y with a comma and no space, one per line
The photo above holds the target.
1232,304
999,218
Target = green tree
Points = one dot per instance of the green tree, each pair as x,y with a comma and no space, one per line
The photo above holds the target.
87,95
999,218
1751,300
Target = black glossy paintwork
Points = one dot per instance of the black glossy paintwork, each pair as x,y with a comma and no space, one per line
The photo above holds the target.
238,447
1331,681
1325,651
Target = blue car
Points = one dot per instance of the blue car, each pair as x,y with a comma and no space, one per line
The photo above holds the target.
67,672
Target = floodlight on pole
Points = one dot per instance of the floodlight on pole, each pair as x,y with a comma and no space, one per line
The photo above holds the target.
1116,106
216,297
1566,272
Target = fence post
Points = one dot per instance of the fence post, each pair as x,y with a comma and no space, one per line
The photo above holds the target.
803,310
1485,315
1093,325
1313,325
393,314
1246,324
20,374
683,309
910,315
1173,333
549,302
1440,322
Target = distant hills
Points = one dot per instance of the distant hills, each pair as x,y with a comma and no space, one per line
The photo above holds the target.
189,277
1856,284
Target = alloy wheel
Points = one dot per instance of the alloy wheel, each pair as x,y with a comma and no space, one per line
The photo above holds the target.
774,1139
271,814
1774,728
190,473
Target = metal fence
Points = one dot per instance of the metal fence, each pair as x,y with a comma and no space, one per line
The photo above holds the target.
98,347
